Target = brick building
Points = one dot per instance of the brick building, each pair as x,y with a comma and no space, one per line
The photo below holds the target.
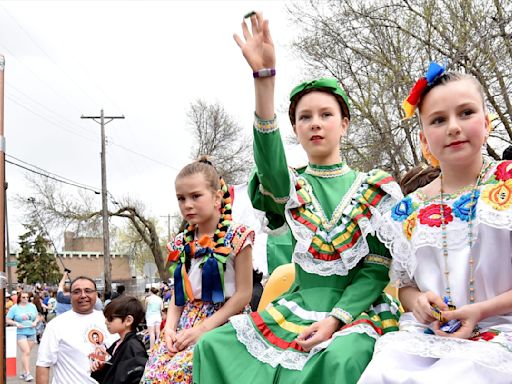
84,257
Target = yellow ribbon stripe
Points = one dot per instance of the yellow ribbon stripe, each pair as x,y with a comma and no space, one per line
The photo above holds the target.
283,323
389,323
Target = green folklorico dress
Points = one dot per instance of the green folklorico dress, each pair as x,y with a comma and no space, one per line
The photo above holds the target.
341,270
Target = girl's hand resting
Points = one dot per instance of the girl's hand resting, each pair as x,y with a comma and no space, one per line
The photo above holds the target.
421,306
318,332
170,340
468,315
188,337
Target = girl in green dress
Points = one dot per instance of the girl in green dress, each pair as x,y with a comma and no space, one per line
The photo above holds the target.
324,328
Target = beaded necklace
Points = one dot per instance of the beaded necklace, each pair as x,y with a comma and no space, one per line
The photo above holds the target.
444,235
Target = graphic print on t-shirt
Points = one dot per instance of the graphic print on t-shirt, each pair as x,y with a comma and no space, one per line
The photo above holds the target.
96,338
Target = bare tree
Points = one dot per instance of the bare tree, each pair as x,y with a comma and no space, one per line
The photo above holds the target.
219,136
81,215
377,49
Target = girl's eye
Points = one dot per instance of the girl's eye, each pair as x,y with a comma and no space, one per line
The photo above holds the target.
467,112
181,198
303,117
437,120
327,114
196,196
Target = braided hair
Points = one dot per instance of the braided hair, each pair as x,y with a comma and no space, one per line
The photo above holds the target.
216,182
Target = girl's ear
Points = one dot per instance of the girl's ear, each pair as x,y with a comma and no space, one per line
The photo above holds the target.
218,199
345,122
488,125
423,139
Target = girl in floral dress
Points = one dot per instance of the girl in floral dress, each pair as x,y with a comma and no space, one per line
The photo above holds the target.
212,269
324,328
451,243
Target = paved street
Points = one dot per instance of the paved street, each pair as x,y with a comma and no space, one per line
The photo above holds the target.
33,358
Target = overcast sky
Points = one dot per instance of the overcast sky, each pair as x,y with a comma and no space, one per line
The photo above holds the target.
145,60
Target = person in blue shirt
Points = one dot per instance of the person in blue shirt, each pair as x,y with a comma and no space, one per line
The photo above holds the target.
24,317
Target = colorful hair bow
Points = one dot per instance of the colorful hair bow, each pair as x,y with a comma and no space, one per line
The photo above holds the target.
433,72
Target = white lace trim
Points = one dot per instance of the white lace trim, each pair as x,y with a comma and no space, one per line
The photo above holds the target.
259,348
391,233
351,256
488,354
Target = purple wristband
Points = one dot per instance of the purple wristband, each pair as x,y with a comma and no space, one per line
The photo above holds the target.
265,72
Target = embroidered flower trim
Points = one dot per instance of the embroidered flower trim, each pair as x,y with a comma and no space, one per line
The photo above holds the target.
409,225
504,171
265,126
403,209
498,196
431,215
461,207
404,240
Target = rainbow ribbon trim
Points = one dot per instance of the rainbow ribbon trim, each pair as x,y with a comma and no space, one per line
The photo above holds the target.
433,72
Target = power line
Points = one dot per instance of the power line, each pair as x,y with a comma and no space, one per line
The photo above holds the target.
50,175
55,115
51,122
143,155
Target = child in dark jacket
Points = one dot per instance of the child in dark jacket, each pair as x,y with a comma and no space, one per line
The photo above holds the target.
128,355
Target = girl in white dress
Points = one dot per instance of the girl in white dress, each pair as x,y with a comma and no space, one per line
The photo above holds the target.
451,243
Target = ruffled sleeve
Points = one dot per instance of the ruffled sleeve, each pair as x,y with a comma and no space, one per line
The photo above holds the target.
240,236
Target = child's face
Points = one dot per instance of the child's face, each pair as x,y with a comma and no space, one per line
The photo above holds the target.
319,127
454,122
115,325
198,203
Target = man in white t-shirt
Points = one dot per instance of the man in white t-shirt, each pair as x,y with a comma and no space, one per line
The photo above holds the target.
73,339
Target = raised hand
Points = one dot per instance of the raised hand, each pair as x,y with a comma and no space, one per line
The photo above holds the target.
256,45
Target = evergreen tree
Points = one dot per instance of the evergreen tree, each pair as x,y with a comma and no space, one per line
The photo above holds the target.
35,264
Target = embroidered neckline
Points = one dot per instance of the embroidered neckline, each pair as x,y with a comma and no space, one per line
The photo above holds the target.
487,168
328,225
327,171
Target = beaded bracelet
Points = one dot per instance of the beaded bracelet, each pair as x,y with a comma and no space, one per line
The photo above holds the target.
265,72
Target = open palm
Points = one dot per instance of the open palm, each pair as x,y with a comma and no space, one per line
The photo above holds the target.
258,48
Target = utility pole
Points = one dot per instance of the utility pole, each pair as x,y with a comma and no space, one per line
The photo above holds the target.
3,280
168,216
106,241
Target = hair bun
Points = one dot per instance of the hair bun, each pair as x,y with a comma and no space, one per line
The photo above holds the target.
205,160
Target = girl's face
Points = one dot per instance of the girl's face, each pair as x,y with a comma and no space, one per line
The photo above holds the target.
319,127
198,203
454,122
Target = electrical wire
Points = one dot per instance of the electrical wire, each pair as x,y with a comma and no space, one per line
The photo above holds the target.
53,176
